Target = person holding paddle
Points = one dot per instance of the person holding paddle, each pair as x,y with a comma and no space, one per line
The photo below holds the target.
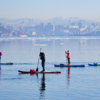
68,56
42,57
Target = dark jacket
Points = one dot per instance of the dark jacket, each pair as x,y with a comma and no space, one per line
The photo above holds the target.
42,56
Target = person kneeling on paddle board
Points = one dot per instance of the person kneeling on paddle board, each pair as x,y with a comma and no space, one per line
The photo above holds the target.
68,56
42,57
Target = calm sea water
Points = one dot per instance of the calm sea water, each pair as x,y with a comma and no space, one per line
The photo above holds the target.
71,84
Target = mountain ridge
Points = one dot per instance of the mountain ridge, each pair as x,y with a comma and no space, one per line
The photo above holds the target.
54,21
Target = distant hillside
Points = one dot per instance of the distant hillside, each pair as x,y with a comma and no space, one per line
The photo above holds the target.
19,21
54,21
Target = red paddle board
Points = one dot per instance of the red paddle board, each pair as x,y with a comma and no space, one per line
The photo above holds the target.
32,71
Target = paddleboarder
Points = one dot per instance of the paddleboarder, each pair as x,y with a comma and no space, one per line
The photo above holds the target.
0,55
42,57
68,56
0,59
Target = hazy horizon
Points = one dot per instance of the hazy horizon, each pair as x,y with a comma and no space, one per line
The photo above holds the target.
44,10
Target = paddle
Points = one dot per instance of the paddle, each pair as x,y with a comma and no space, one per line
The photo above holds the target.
38,62
66,58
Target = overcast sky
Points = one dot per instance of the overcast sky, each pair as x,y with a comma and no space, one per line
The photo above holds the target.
47,9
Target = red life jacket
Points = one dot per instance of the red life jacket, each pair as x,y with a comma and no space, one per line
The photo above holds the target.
0,53
68,54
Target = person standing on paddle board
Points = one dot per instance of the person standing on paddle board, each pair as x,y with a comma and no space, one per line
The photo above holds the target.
68,56
42,57
0,55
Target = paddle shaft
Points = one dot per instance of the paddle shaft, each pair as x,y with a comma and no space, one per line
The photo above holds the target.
66,58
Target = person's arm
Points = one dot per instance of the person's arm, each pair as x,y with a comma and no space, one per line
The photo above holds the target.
66,52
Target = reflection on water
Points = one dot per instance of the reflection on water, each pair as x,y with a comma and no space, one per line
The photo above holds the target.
42,87
1,73
68,75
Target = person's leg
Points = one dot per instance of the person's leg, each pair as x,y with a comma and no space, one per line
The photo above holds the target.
43,65
68,60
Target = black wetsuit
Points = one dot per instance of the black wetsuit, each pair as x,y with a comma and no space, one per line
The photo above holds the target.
42,57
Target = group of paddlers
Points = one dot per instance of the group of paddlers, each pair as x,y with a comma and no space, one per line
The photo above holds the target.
42,57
